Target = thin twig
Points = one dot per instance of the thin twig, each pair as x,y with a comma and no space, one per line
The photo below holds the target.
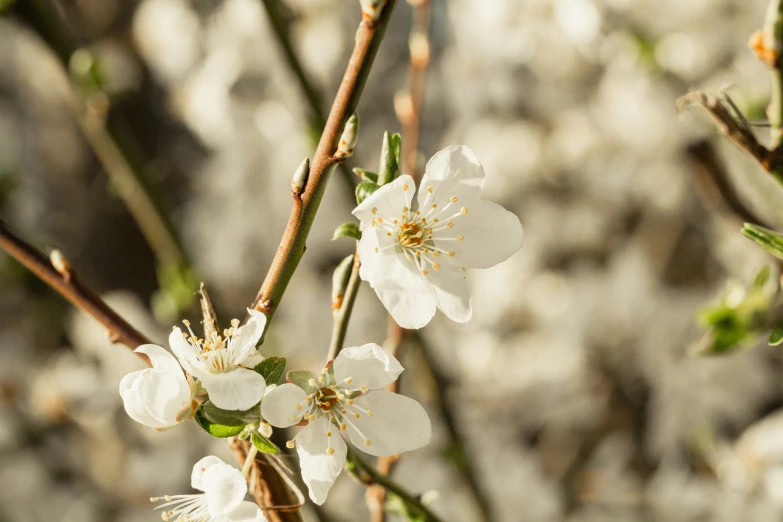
342,315
368,476
292,245
64,280
279,16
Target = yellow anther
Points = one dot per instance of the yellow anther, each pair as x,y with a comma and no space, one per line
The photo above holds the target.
449,224
464,211
436,254
154,499
376,250
405,209
405,187
350,402
388,234
452,253
330,450
343,427
429,189
434,221
328,433
395,221
365,389
298,406
324,371
167,498
311,382
348,380
356,415
453,199
436,266
290,444
235,323
369,413
367,442
425,272
434,205
460,237
309,398
374,210
380,219
186,322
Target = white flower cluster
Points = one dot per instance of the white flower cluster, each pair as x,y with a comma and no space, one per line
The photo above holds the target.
414,261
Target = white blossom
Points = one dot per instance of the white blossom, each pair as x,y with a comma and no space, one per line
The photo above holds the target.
219,360
158,397
224,489
347,397
414,259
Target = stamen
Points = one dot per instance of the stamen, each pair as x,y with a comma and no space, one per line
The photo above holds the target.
290,444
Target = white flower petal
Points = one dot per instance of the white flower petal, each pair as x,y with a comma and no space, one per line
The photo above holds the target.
319,468
454,171
398,424
246,512
450,288
160,358
388,201
225,488
155,397
279,406
368,365
238,389
199,468
491,235
253,360
248,335
410,309
395,272
186,354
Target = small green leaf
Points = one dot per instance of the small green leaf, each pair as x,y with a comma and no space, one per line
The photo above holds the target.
389,167
776,335
215,415
769,240
302,379
366,175
347,230
271,369
364,190
263,444
216,430
761,278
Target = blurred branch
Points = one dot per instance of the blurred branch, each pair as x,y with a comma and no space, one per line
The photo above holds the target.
368,476
716,184
457,452
768,46
292,245
58,274
409,107
280,18
342,315
117,150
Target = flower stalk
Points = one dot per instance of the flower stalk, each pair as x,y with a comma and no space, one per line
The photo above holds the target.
342,315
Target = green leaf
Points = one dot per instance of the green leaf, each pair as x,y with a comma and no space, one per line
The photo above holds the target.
761,278
389,167
769,240
215,415
216,430
366,175
302,379
776,335
347,230
263,444
364,190
271,369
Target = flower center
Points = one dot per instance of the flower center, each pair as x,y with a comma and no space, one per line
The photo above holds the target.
215,350
411,235
326,398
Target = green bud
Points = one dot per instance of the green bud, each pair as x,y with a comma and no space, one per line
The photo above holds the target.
769,240
364,190
349,138
340,281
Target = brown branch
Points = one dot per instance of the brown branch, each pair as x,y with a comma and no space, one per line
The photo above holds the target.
64,280
292,245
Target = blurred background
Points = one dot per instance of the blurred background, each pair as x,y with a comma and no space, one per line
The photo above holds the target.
574,392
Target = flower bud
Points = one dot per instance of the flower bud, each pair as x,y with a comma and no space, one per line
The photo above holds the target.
300,177
348,139
372,9
60,262
340,282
